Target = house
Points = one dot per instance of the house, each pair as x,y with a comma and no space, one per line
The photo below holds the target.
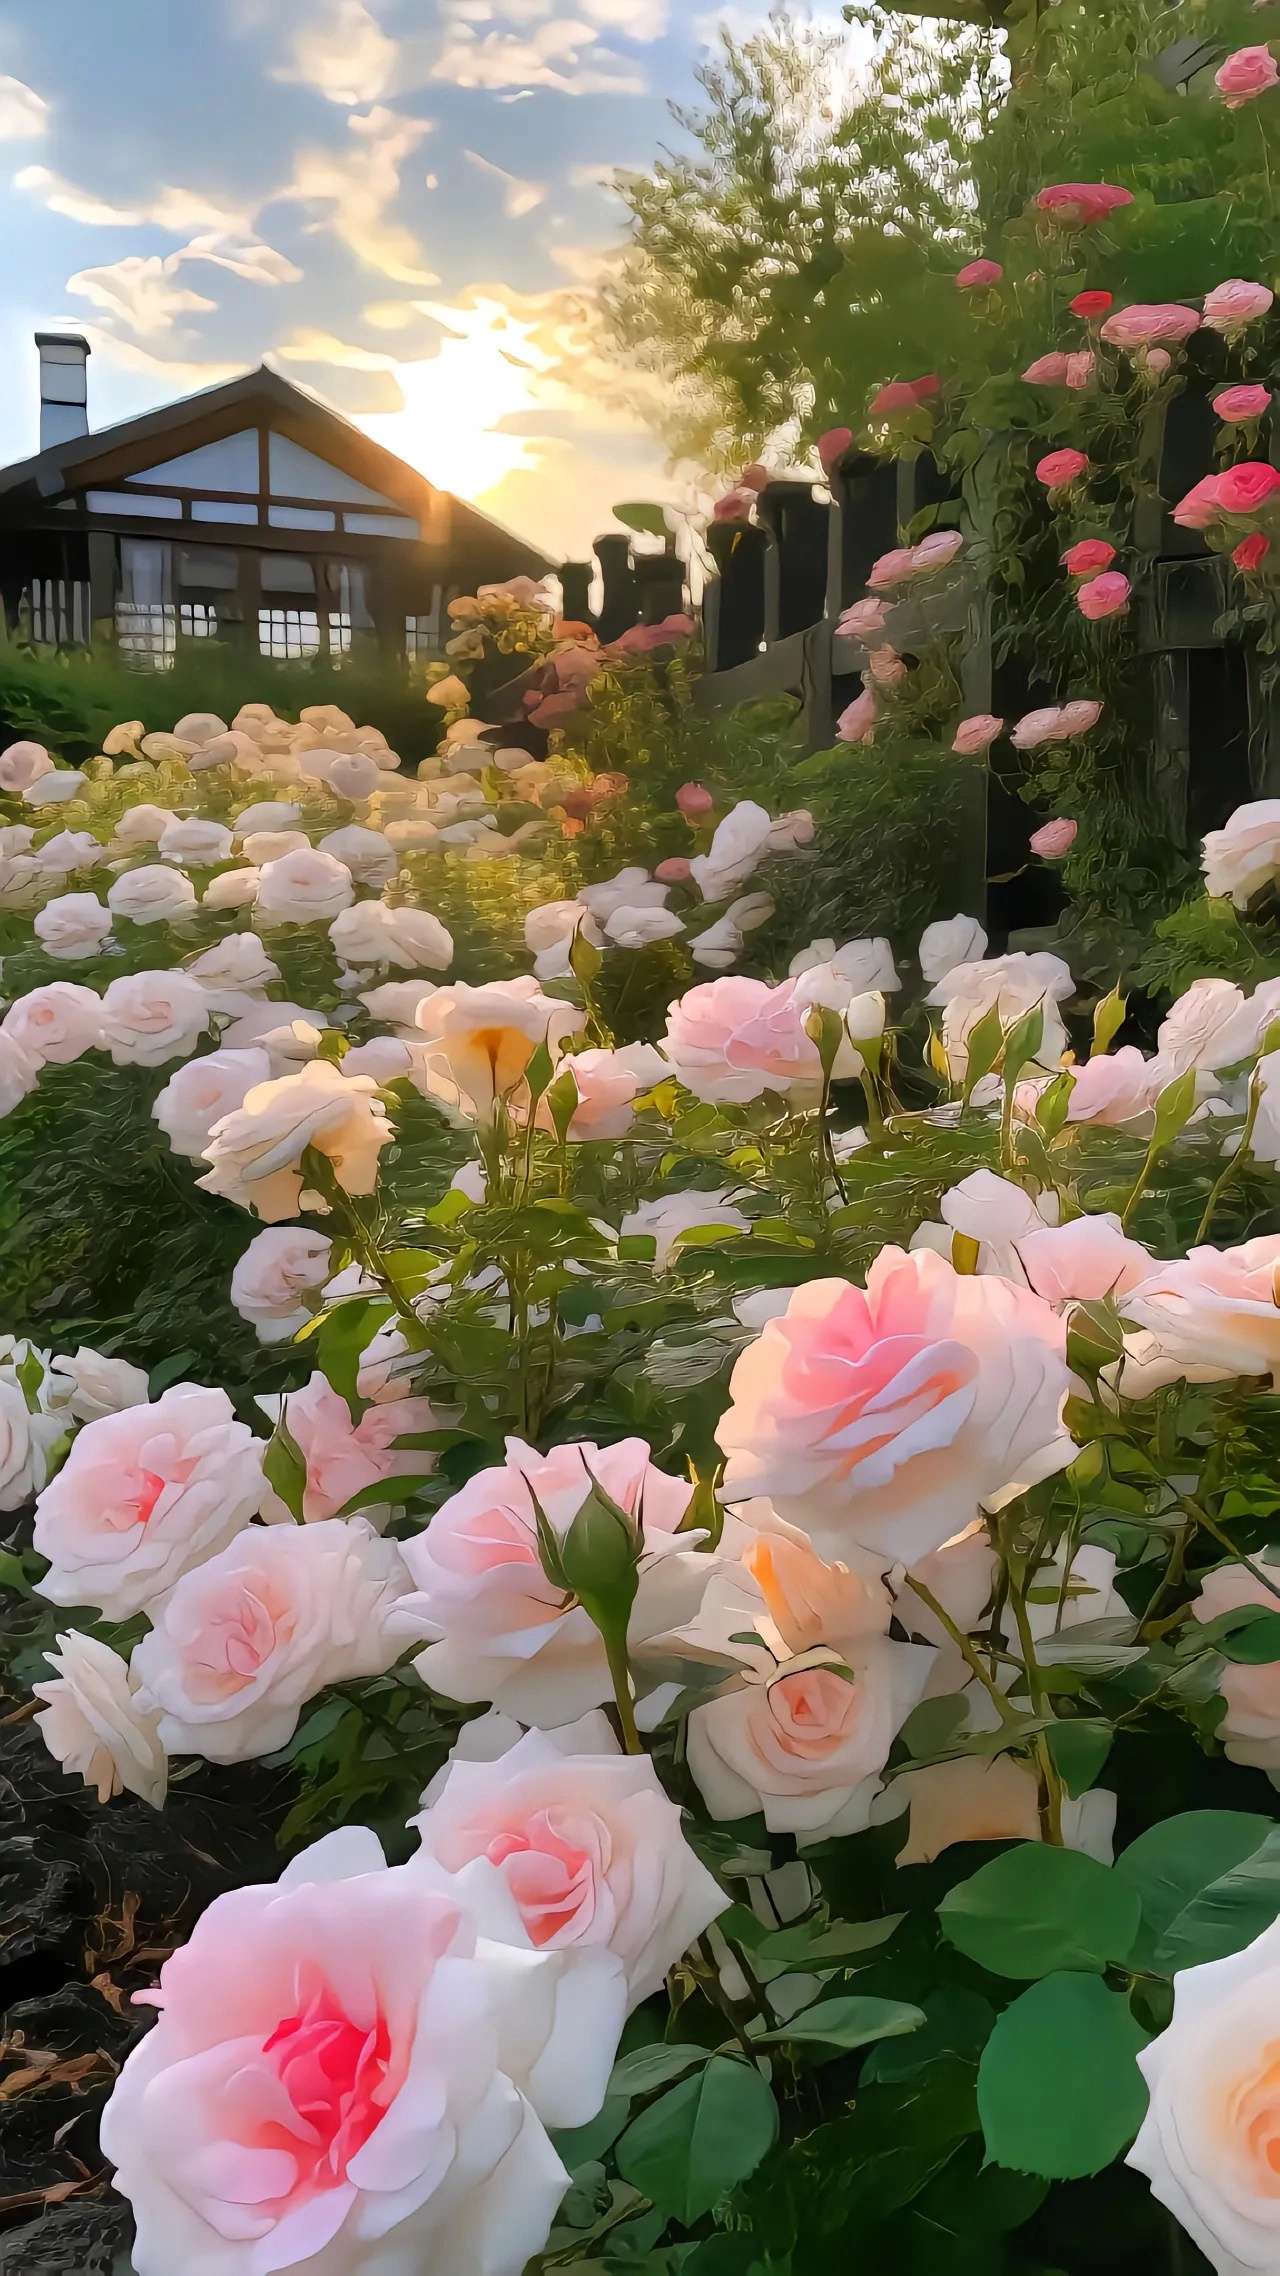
249,512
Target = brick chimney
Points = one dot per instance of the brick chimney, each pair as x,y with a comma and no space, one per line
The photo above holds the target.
64,392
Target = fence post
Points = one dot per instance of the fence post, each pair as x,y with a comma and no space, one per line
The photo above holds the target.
733,600
796,565
575,591
618,607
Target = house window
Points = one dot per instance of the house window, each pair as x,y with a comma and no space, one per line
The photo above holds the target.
425,633
146,619
54,613
288,634
198,620
347,584
208,578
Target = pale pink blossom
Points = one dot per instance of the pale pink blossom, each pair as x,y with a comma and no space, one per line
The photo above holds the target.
694,799
1210,1315
1250,1729
281,1266
978,276
1235,304
733,1039
1105,596
1236,406
1053,839
1149,324
1244,855
1075,205
857,722
863,620
1250,72
343,1458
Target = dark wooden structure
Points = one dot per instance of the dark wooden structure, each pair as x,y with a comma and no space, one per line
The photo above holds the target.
250,512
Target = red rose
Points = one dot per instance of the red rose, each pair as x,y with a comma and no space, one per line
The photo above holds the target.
1091,304
1251,552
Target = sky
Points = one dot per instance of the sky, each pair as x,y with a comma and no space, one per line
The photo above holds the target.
402,204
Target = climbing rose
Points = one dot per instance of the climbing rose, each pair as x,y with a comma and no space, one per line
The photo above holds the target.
977,734
1247,487
1251,552
1146,325
1237,405
1077,204
1088,557
1230,306
1104,596
1053,839
1091,304
1059,468
1250,72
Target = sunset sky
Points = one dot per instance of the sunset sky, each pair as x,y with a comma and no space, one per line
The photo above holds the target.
399,203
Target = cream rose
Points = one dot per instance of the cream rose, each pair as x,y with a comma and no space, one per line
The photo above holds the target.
370,857
232,889
200,1093
952,941
413,940
481,1039
56,1023
1250,1729
281,1265
194,842
19,1073
21,764
305,887
248,1637
152,896
93,1725
1207,1316
143,1496
72,927
887,1419
151,1017
1244,855
1014,984
239,964
256,1151
101,1384
27,1439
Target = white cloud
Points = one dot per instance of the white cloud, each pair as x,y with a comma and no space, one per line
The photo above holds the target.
140,292
640,20
390,315
593,174
177,375
585,264
343,53
311,346
518,196
24,115
165,208
523,46
356,188
245,257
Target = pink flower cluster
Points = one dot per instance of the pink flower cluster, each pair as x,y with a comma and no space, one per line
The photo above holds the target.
1060,369
1057,723
899,396
1242,490
1077,205
907,562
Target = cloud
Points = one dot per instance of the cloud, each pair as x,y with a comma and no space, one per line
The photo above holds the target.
165,208
356,189
639,20
390,315
177,375
245,257
593,174
518,196
343,53
527,47
312,346
24,115
140,292
585,264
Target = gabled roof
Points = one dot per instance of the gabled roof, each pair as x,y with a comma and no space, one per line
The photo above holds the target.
112,454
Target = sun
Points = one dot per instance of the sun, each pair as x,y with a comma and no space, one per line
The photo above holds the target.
484,371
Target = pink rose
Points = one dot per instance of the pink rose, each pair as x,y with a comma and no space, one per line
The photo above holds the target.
1091,305
886,668
1077,717
735,506
978,276
587,1844
1059,468
1156,362
1199,509
674,870
1115,1088
864,620
694,798
1250,72
1104,596
1211,1314
1147,324
1055,724
1053,839
351,2067
1081,365
732,1039
1230,306
1089,556
977,734
1247,487
343,1458
502,1631
145,1495
832,446
1047,371
936,551
607,1083
883,1419
857,722
1083,1261
892,568
1075,205
1251,552
1235,406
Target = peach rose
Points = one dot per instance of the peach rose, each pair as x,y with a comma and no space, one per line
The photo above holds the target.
200,1093
586,1842
143,1496
1210,1315
1208,2141
1244,855
1250,72
806,1734
1101,597
246,1639
502,1631
343,1458
975,1800
733,1039
1116,1089
886,1417
480,1039
256,1151
864,619
349,2072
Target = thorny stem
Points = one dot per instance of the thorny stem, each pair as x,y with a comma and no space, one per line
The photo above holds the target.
965,1646
615,1647
1236,1163
1050,1783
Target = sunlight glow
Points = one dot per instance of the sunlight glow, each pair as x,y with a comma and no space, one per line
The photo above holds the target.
486,370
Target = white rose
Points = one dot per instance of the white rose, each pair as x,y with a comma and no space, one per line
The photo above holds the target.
630,889
1209,1026
151,1017
1207,2143
369,856
720,946
239,962
587,1843
142,826
195,843
266,814
19,1073
248,1637
200,1093
25,1443
398,1000
21,764
255,1151
16,838
951,941
101,1385
290,1034
739,844
145,1494
56,789
56,1023
865,966
354,775
637,928
92,1723
152,895
371,933
1015,984
549,933
233,889
67,850
279,1264
73,927
665,1220
1244,855
306,887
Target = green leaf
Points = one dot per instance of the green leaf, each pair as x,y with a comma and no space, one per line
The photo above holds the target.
809,1946
650,2067
1172,1862
847,2022
690,2148
284,1466
1249,1635
30,1372
1228,1913
1174,1108
1108,1019
1059,2089
649,520
1037,1909
1022,1043
343,1335
984,1044
385,1493
935,1725
1079,1750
